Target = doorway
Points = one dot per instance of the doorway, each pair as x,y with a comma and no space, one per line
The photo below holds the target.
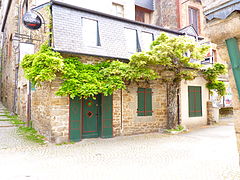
90,118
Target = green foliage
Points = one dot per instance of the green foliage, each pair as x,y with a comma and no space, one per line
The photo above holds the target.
65,143
211,75
27,132
31,134
88,80
43,65
172,54
82,80
14,119
179,128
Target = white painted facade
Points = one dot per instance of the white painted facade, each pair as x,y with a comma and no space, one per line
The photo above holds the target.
193,121
104,6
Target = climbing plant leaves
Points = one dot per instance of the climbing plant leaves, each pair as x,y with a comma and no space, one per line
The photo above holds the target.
88,80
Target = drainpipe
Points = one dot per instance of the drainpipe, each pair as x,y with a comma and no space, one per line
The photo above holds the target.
50,29
121,110
29,101
178,107
2,43
17,66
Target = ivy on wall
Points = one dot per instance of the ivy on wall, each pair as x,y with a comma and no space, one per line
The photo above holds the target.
88,80
211,75
83,80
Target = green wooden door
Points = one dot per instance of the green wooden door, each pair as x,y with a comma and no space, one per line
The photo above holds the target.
91,118
75,119
234,54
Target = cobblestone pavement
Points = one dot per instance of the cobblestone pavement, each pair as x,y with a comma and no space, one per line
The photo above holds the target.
203,154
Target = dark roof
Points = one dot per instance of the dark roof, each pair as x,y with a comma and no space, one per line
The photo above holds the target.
147,4
222,11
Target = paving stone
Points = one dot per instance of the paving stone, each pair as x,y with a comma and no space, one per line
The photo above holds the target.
202,154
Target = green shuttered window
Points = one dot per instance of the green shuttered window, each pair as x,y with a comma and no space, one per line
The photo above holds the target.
195,101
234,54
144,102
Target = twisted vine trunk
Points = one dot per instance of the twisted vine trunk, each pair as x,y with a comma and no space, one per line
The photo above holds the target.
172,104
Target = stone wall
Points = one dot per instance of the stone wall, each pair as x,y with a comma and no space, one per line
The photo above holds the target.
8,57
125,119
165,14
218,31
174,14
11,58
50,113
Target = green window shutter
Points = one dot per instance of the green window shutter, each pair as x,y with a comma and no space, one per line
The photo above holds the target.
141,106
198,92
107,116
144,102
148,99
194,101
75,119
191,101
234,54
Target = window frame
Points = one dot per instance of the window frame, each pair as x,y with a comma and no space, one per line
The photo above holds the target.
116,5
198,18
142,46
144,106
98,41
137,43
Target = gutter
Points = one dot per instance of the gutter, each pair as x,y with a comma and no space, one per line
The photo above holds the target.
85,54
115,17
6,15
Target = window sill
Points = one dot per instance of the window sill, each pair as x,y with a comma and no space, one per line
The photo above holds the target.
90,46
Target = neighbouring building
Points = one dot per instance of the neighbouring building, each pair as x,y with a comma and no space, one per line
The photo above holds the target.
222,27
84,30
187,17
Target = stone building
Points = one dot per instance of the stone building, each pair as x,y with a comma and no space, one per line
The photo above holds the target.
222,27
90,33
187,17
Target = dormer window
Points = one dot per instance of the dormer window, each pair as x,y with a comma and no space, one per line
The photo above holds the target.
147,39
132,41
90,32
143,15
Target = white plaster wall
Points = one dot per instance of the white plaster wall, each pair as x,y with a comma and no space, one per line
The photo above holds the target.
193,121
105,6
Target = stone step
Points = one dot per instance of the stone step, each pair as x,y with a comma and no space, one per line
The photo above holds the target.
5,123
4,117
7,126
